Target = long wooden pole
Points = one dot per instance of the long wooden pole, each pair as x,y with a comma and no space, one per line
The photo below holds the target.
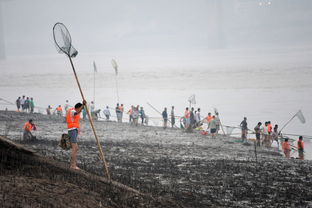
288,122
94,86
92,125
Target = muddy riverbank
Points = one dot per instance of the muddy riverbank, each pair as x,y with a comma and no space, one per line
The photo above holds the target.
187,168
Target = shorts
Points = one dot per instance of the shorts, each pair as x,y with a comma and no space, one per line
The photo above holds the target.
73,134
258,136
213,131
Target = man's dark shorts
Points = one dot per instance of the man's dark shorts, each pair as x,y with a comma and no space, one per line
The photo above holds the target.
73,134
258,136
212,131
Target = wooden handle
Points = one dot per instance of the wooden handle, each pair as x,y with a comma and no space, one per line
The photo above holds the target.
92,125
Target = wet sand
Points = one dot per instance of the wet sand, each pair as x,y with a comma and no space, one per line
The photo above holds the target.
187,168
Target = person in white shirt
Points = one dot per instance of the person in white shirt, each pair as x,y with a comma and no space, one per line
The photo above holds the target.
66,106
23,102
107,113
197,117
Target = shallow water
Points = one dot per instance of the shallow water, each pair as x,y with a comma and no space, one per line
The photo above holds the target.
261,91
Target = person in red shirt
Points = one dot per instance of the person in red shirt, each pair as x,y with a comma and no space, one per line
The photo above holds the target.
286,148
28,127
300,145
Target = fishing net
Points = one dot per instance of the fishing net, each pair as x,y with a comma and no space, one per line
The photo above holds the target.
63,40
229,130
300,116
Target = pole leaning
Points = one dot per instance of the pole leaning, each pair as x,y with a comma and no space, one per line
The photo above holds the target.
92,125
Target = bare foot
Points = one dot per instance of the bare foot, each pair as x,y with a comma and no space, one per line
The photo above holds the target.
74,167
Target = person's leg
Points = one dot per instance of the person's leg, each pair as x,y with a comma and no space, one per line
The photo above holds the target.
73,134
73,156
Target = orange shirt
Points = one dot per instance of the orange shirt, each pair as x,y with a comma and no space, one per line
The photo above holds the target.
209,118
187,114
269,128
72,122
59,109
28,126
285,146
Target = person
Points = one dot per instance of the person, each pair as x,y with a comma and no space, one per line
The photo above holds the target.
135,115
130,112
142,115
258,133
275,135
26,105
192,118
49,108
117,112
165,117
218,122
265,135
244,128
18,104
121,110
107,113
66,106
209,117
59,110
300,146
92,107
22,103
269,126
172,117
28,127
213,127
197,117
286,148
72,120
187,115
32,105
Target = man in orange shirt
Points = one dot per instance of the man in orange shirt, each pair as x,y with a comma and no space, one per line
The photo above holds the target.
286,148
59,110
300,145
72,120
28,127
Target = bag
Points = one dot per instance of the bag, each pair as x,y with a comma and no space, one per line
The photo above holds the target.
65,142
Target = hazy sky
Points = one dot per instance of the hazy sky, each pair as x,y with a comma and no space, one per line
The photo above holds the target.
105,25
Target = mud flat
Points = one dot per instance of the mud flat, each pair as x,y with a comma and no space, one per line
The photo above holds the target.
174,167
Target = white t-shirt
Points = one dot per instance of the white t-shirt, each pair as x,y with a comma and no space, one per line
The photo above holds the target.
22,101
92,107
106,112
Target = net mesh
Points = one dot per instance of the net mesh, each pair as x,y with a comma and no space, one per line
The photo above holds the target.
229,130
63,40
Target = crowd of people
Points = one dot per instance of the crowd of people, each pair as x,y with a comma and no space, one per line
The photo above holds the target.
25,104
266,135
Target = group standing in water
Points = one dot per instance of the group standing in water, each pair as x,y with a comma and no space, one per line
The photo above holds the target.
265,134
269,137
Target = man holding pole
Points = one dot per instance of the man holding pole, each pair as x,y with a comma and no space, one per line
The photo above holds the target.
72,120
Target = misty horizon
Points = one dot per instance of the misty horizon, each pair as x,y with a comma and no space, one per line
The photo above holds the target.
104,26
